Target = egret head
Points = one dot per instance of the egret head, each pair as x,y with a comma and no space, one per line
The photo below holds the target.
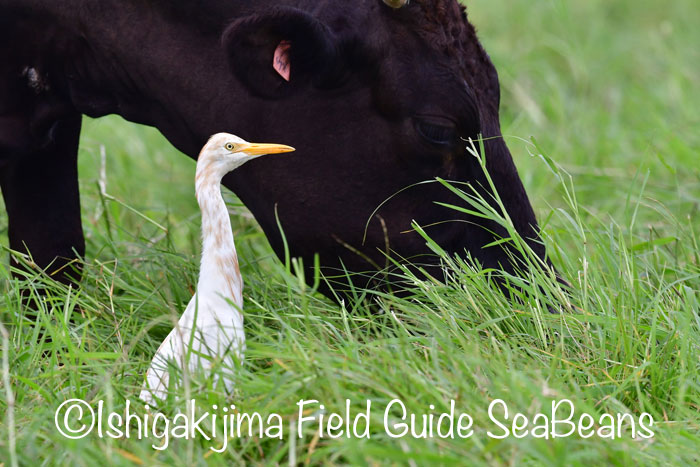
228,152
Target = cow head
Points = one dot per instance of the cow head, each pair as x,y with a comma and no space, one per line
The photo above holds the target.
376,100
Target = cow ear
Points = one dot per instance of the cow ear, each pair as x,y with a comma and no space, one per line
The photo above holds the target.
276,53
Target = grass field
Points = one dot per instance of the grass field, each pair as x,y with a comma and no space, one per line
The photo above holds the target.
608,90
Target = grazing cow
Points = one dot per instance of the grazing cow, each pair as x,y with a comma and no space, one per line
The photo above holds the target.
375,95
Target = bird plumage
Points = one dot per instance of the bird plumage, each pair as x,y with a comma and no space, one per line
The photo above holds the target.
210,330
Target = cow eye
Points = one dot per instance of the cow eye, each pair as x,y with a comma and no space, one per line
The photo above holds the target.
437,133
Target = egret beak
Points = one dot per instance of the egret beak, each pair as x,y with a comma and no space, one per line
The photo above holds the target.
259,149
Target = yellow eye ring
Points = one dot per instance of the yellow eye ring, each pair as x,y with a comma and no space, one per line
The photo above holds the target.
229,146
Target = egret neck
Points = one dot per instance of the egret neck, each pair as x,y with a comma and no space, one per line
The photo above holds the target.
219,274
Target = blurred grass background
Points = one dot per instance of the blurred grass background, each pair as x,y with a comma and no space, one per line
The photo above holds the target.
609,90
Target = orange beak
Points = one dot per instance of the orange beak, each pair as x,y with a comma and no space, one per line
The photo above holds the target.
259,149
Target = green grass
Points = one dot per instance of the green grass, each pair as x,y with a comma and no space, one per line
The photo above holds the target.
605,88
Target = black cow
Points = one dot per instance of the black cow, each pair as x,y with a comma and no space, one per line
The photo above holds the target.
374,98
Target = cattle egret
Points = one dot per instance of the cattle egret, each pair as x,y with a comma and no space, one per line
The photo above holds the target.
210,331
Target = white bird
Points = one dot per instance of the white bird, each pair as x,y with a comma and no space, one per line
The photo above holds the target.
210,331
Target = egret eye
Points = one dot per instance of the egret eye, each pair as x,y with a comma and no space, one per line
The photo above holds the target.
229,146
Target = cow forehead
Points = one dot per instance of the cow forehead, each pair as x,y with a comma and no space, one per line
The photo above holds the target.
435,15
442,25
443,28
436,30
421,83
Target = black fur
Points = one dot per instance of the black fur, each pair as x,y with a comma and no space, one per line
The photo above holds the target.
364,76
